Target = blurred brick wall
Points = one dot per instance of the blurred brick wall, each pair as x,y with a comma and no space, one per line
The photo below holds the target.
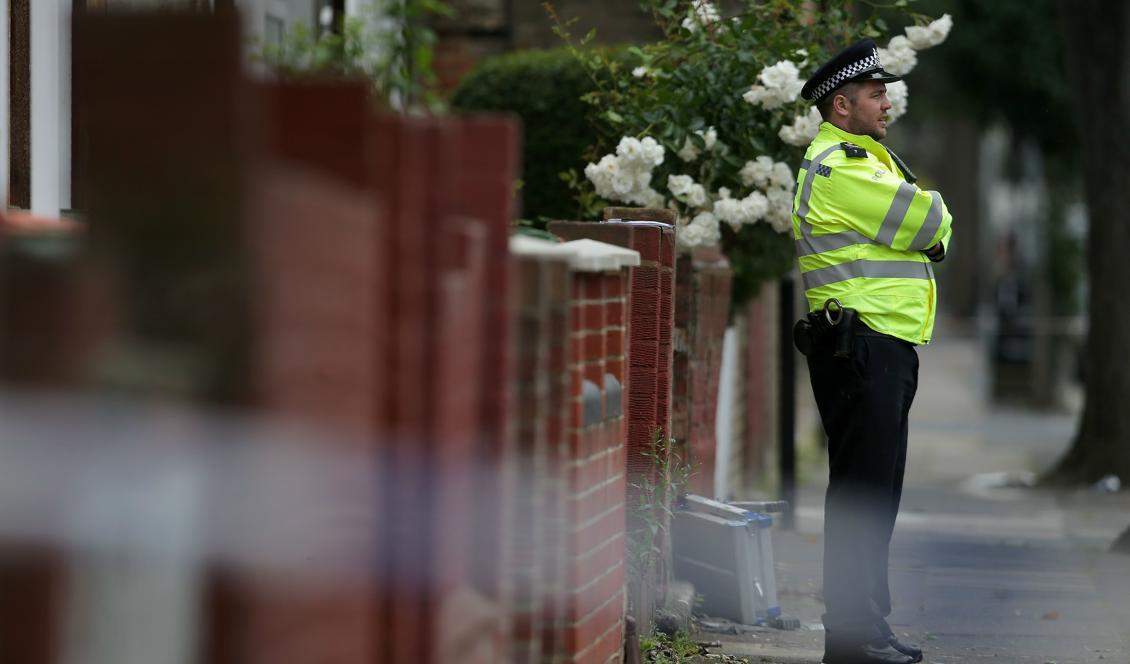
541,380
356,275
312,231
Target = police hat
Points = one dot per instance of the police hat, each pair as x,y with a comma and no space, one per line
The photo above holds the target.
858,62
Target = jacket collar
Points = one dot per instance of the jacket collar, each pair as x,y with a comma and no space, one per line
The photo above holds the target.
865,142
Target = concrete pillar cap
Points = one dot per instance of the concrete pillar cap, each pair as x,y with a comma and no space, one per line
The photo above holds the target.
583,255
594,256
525,245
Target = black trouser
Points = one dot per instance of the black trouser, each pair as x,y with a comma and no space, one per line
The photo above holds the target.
864,402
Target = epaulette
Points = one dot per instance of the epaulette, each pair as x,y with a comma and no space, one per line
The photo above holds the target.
853,150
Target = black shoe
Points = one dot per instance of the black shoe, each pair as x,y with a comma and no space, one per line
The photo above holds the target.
868,653
910,650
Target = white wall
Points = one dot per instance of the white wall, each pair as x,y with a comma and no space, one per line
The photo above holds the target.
5,102
50,106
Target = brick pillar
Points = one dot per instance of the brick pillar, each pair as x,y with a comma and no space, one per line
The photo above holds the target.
489,148
446,185
313,238
541,306
585,613
159,104
648,366
702,314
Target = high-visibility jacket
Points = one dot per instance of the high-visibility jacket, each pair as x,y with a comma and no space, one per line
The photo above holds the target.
860,230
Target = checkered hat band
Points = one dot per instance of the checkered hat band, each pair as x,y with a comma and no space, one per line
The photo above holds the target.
869,63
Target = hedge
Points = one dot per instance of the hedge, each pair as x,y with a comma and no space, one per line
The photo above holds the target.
544,89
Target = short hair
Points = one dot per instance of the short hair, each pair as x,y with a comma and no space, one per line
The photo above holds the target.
849,90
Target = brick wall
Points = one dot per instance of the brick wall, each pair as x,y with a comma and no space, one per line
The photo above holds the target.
437,273
363,261
702,305
592,626
487,167
541,384
584,533
649,364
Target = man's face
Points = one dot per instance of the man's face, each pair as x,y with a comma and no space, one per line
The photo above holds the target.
867,110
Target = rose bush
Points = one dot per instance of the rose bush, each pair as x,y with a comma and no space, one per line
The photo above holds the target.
710,121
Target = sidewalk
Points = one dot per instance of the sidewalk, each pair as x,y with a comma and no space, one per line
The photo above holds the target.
978,574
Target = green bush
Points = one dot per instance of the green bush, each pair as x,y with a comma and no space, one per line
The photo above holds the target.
544,88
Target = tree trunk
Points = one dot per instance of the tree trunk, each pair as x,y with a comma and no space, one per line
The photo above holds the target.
1098,58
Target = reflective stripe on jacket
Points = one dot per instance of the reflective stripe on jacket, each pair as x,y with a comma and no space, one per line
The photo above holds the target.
860,230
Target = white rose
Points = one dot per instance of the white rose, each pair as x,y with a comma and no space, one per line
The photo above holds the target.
601,175
782,175
756,173
688,237
782,76
623,183
708,223
646,197
897,94
679,185
703,12
730,211
689,151
780,85
780,212
935,33
630,148
642,177
639,72
744,211
755,206
803,129
899,57
756,95
709,137
652,151
696,196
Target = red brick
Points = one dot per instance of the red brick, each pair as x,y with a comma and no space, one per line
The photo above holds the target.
592,316
593,626
576,317
593,345
592,286
614,312
617,234
648,241
667,248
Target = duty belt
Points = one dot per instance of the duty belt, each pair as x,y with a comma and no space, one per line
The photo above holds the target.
835,327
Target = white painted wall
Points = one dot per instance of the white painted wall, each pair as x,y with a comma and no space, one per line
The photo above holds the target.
5,102
50,106
724,416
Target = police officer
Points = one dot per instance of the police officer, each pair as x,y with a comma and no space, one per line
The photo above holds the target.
866,237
